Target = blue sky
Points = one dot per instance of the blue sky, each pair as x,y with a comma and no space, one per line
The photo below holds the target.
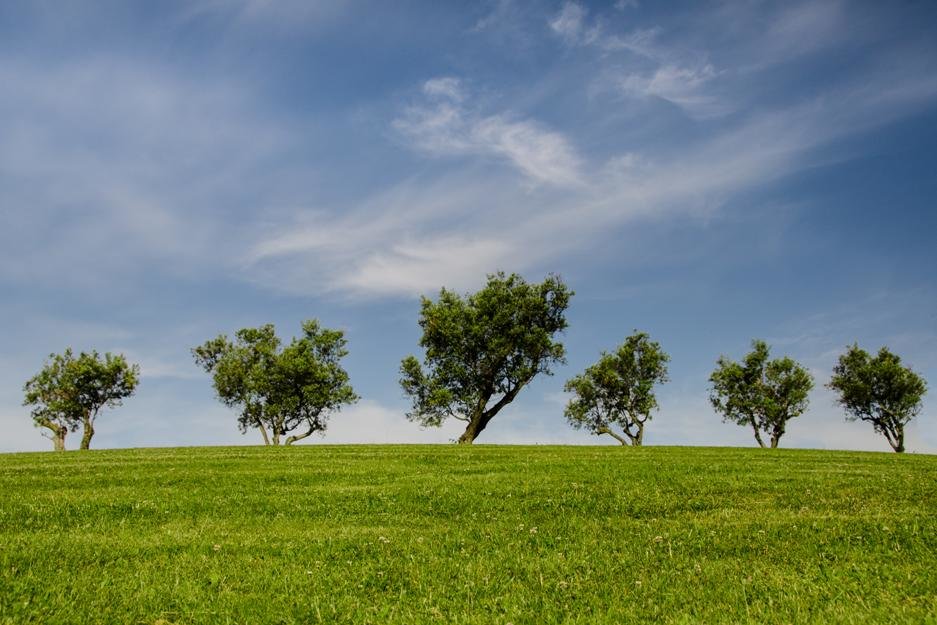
708,172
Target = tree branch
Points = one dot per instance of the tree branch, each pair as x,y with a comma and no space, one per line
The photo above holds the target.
607,430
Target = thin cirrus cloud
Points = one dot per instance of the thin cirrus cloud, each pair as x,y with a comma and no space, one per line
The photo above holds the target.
451,229
442,125
684,87
677,77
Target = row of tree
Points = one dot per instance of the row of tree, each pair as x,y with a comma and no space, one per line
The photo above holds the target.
480,350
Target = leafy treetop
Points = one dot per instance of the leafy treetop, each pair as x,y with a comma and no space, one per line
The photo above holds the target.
880,390
619,390
70,392
278,391
483,348
764,394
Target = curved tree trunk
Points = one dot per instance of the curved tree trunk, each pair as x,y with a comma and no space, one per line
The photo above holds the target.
609,431
263,432
475,426
638,439
898,445
482,416
298,437
761,443
87,434
58,433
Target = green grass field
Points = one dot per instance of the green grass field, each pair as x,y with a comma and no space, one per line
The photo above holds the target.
406,534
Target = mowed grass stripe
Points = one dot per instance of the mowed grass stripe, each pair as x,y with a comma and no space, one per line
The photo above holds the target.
488,534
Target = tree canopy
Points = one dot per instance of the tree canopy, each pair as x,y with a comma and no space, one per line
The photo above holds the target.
69,392
761,393
619,390
483,348
879,390
279,391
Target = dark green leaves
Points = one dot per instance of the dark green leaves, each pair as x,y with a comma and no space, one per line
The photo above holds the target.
762,393
879,390
481,349
70,390
619,389
279,390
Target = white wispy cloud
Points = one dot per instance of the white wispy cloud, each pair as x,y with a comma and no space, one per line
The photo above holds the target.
444,126
684,87
569,22
401,241
449,231
573,26
676,76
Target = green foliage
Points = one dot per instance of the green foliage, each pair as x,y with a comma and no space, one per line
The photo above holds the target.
69,392
348,534
761,393
279,390
482,349
619,390
879,390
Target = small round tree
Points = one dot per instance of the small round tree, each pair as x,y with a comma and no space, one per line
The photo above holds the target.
619,390
879,390
761,393
482,349
279,391
69,392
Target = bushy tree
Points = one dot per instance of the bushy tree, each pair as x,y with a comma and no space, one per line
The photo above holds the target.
483,348
619,390
761,393
69,392
279,391
879,390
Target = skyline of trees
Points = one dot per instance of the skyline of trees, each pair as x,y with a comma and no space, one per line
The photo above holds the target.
480,351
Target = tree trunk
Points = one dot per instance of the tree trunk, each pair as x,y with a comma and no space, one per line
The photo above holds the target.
638,440
292,439
476,424
899,440
608,431
58,433
761,443
87,433
58,439
775,438
482,417
263,432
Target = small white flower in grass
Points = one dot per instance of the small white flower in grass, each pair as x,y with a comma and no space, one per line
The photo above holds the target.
216,547
533,530
383,539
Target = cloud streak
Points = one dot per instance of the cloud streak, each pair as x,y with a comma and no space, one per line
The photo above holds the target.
443,126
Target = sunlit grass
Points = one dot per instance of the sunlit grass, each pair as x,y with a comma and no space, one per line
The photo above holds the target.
400,534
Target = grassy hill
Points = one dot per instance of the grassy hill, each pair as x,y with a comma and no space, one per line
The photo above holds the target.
403,534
